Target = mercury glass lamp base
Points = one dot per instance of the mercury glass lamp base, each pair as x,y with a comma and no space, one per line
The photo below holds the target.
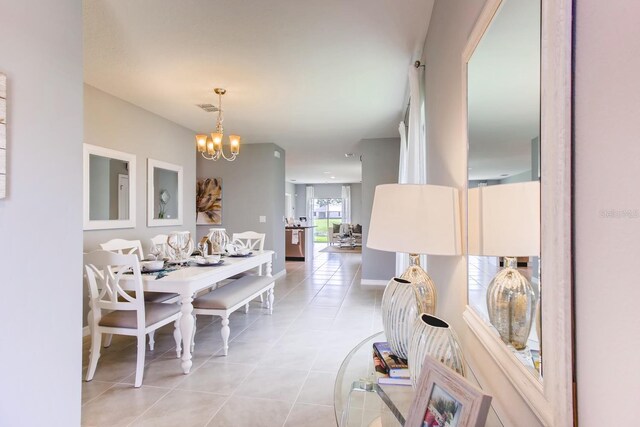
511,304
425,286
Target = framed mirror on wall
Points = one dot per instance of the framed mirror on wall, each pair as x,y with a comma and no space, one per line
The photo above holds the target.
164,194
503,123
516,75
109,188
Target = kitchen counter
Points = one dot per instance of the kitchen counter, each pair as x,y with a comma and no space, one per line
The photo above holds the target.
298,242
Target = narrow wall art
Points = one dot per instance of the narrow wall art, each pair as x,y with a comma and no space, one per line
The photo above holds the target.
209,201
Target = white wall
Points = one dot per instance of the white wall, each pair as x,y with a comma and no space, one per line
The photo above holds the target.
41,327
451,23
607,211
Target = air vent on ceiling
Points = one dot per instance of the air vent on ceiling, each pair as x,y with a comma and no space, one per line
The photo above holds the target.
209,108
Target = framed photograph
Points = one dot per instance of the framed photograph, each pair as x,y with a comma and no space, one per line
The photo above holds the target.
209,201
444,398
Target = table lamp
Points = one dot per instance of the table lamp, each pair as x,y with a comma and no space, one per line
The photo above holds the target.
504,220
413,219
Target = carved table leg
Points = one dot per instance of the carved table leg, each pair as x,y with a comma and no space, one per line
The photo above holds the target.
186,328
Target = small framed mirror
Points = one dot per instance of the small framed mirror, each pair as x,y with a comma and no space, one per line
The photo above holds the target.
164,194
109,188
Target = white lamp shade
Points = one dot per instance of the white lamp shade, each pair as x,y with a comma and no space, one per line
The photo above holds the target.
416,219
504,220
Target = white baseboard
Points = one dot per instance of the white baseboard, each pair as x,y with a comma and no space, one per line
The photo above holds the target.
370,282
280,274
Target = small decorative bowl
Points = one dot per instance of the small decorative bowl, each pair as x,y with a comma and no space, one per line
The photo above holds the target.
151,265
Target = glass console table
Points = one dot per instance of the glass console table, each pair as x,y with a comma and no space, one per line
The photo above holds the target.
360,401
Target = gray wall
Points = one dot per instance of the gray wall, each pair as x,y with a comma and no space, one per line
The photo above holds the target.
252,186
113,123
301,200
380,160
327,191
40,365
356,203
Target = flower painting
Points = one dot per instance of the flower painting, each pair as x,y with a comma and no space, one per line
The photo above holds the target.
209,201
442,410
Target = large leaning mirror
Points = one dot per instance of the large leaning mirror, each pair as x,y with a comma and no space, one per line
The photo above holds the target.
503,104
164,194
516,295
108,188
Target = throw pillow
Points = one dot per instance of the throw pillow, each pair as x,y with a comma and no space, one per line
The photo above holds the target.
357,229
336,228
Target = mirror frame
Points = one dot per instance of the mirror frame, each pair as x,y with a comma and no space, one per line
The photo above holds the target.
553,399
89,224
158,222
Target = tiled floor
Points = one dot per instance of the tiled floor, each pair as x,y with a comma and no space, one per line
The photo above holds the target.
280,370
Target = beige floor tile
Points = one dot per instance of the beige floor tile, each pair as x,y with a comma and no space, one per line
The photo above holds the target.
290,355
249,412
311,416
269,382
165,371
318,388
182,408
120,405
92,389
219,378
249,352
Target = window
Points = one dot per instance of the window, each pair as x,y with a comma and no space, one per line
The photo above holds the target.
326,212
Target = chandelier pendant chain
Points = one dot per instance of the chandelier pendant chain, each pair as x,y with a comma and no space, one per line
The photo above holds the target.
211,148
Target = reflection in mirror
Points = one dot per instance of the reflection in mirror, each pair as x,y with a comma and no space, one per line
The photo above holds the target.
109,188
164,193
504,149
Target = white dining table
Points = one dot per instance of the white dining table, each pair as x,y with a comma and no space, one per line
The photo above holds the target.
187,281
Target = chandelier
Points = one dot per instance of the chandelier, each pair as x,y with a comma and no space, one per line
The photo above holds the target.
211,148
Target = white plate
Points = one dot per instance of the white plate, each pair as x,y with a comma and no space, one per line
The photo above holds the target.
241,256
208,264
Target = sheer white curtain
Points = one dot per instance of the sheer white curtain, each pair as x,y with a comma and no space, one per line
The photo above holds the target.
413,149
346,204
310,196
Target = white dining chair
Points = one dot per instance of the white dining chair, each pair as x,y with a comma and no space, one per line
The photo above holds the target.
114,311
255,242
124,247
159,243
128,247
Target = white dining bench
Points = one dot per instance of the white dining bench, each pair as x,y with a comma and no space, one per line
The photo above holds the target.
225,300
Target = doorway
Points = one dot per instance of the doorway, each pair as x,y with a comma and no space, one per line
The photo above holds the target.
326,212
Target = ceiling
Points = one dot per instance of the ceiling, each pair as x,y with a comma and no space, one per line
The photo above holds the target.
314,77
504,93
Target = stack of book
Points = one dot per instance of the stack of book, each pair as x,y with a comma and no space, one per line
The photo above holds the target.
390,369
